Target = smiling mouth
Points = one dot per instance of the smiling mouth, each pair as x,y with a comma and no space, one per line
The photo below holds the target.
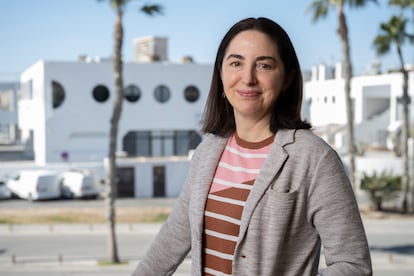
248,93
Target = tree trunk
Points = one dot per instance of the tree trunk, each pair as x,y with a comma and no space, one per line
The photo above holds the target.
379,204
405,133
343,34
116,115
409,102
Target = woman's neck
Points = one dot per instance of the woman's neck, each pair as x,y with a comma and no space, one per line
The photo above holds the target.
253,132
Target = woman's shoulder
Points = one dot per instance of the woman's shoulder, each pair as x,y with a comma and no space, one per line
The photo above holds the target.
211,139
307,146
309,136
307,140
209,143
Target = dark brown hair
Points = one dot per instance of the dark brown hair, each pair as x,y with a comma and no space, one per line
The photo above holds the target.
218,113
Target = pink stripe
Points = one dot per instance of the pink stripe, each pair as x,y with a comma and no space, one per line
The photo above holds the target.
238,177
235,160
217,187
238,161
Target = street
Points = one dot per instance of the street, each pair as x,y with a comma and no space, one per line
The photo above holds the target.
74,249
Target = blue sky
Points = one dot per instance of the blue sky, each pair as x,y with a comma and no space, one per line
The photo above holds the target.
62,30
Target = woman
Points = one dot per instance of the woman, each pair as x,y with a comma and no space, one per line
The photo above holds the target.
263,193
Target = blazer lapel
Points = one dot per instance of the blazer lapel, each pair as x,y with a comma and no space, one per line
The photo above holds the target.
208,164
274,162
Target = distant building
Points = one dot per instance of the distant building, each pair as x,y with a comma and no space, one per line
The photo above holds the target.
8,112
377,111
66,107
150,49
65,110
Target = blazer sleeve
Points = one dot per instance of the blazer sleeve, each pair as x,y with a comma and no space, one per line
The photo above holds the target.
173,242
334,213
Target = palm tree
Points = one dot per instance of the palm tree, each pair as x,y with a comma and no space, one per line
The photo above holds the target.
119,6
393,32
404,4
407,4
320,9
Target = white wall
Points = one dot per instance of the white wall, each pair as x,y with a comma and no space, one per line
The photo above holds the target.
32,112
80,126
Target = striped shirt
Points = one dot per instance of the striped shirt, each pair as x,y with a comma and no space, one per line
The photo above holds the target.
239,165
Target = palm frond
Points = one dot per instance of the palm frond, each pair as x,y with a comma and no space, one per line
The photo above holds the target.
152,9
319,9
391,32
402,3
359,3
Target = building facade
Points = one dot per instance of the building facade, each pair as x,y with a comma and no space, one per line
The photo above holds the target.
65,110
8,112
375,103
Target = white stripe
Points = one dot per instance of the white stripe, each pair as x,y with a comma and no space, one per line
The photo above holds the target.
232,184
238,169
220,235
227,200
215,272
222,217
244,154
218,254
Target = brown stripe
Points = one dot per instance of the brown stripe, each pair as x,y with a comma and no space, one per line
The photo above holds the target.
221,226
254,145
220,245
234,193
219,264
223,208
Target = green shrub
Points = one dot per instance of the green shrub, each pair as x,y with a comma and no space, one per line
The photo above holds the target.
381,187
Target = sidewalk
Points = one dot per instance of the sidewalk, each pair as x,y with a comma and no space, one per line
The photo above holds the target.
385,262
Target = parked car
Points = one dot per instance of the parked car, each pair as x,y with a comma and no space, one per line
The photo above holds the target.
4,191
35,185
78,184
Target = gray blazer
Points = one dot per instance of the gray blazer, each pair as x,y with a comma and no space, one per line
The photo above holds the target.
301,198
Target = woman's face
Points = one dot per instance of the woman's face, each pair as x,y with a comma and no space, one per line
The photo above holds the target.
253,75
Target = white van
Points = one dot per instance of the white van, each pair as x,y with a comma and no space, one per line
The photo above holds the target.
35,185
4,191
78,184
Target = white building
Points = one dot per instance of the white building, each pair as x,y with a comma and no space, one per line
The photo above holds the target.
66,107
65,110
8,112
150,49
377,113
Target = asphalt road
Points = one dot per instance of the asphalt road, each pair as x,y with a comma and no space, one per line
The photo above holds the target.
75,249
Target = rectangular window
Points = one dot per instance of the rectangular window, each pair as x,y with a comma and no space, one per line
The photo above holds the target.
181,143
26,90
143,143
6,100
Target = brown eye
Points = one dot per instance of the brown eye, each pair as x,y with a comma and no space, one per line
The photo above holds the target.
235,64
264,66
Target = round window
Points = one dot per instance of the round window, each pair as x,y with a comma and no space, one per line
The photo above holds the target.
162,93
100,93
191,94
132,93
58,94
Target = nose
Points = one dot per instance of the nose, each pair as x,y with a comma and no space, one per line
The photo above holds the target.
249,76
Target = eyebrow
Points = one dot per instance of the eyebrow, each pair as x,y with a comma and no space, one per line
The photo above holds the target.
259,58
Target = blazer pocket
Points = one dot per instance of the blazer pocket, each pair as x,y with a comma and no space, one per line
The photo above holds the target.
282,195
277,205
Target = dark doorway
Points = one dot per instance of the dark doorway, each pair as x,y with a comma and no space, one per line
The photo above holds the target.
158,176
126,182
